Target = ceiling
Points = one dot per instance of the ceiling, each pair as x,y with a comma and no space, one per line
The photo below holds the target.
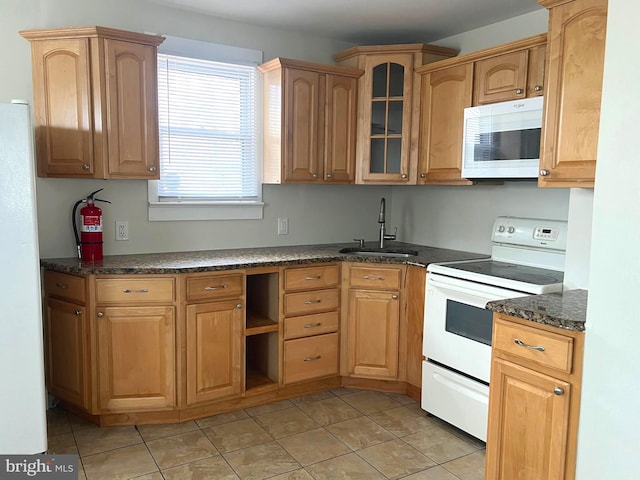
365,21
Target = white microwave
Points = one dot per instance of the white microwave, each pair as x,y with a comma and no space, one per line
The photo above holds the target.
502,140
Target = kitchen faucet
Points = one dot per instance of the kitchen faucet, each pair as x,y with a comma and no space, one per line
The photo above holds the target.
381,220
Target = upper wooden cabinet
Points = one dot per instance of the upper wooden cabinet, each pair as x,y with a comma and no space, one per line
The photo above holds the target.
576,45
388,109
95,102
309,122
445,94
509,76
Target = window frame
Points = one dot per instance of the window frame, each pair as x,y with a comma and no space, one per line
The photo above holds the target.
184,209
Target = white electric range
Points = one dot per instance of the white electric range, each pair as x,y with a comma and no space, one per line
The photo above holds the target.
527,257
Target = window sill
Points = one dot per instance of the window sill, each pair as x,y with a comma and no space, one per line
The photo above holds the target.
183,211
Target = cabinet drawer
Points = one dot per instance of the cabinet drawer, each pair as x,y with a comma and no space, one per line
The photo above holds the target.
134,290
308,325
307,358
311,302
551,349
373,277
309,278
63,285
214,286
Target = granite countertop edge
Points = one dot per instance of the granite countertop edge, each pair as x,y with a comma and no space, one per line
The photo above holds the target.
245,258
566,310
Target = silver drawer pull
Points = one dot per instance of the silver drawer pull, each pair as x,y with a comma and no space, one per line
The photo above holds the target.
311,359
142,290
314,277
367,277
62,285
221,287
558,391
313,325
311,302
539,348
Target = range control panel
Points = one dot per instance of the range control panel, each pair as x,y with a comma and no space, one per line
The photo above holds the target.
531,232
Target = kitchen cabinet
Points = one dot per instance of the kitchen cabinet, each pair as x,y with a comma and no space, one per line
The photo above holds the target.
311,322
388,109
374,311
95,102
135,343
534,401
445,94
66,338
214,332
449,86
309,122
509,76
577,31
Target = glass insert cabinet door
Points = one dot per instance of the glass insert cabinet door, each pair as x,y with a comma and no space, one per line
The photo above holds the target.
388,135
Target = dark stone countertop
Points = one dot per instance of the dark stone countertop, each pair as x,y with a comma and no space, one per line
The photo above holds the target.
567,310
229,259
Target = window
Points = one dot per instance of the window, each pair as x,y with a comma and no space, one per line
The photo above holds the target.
208,110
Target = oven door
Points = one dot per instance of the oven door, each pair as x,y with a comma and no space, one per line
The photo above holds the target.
457,327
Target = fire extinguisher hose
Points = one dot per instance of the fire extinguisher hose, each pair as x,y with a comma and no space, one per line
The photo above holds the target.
75,225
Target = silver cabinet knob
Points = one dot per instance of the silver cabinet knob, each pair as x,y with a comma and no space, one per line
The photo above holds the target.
544,172
100,314
519,91
85,167
404,176
537,88
558,391
78,313
238,306
152,168
394,297
329,175
423,175
314,175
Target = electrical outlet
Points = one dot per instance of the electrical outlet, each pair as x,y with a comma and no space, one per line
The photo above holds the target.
283,226
122,230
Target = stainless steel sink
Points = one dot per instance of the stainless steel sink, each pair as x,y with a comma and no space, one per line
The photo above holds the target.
380,252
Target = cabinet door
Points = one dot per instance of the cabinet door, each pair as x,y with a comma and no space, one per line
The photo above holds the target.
340,129
536,69
214,351
574,86
373,331
445,95
66,338
63,109
527,435
131,110
501,78
136,358
384,138
301,142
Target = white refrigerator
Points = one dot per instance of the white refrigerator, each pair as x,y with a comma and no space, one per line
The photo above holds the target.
23,426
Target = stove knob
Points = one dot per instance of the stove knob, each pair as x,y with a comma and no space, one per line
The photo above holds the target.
511,230
501,228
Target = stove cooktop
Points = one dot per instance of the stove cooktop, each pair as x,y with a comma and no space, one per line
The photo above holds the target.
503,274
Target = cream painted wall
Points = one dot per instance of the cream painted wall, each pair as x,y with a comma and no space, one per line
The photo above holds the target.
498,33
461,217
609,433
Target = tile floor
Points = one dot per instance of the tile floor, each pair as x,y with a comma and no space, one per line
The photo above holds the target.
337,434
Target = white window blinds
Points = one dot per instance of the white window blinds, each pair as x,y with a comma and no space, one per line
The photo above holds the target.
207,120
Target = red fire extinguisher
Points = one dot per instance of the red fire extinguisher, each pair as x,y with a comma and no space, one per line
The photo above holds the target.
89,243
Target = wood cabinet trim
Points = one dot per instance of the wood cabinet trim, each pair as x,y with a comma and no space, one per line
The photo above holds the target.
523,44
281,62
88,32
413,48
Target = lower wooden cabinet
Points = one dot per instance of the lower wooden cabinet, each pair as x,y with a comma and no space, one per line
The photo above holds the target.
373,321
136,358
311,357
534,401
67,353
214,350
